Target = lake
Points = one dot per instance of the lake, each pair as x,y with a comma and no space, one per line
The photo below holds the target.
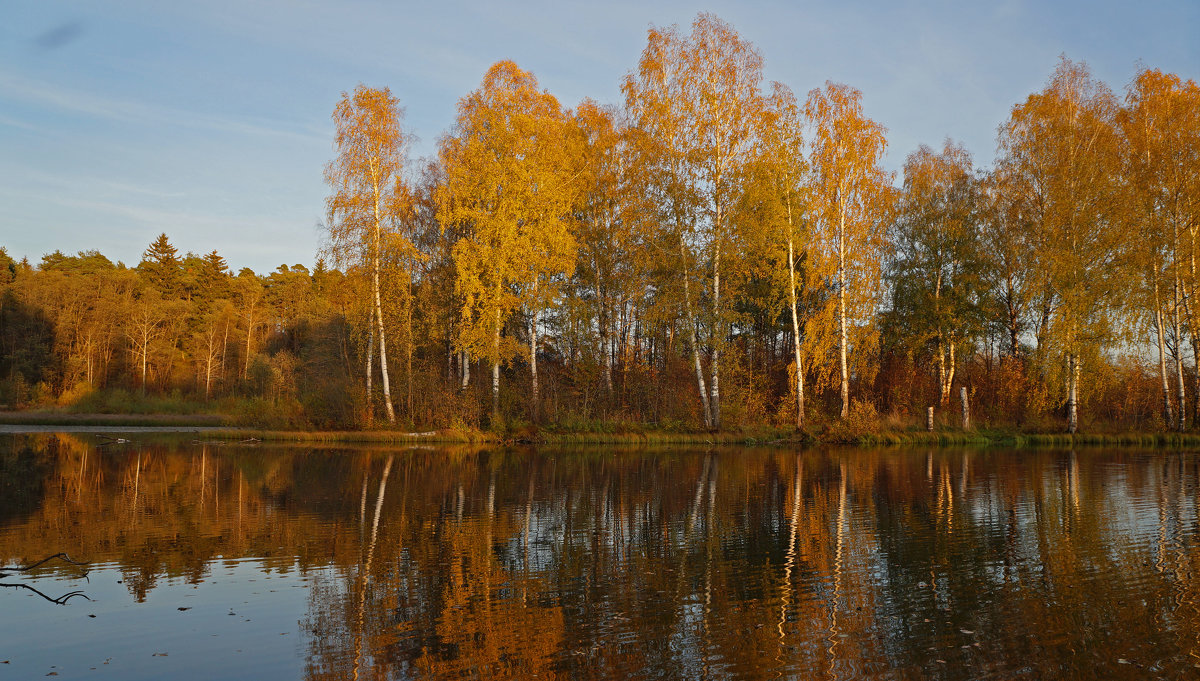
211,560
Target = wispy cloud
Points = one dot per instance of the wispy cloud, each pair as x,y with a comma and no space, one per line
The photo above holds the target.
38,93
76,183
14,123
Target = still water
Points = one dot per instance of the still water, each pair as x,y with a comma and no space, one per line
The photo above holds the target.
219,560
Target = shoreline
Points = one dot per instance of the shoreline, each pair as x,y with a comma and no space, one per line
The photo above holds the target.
217,426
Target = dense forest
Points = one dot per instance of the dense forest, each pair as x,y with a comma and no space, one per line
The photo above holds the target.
713,253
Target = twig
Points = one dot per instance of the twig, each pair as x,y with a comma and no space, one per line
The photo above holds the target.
61,600
47,559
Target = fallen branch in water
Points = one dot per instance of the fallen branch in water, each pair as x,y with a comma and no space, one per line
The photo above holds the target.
47,559
61,600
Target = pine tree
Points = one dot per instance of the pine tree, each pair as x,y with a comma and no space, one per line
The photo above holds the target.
162,267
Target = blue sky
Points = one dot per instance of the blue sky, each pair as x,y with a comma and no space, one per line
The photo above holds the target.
210,121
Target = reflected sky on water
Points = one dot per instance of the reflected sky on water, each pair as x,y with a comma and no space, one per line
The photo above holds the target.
225,561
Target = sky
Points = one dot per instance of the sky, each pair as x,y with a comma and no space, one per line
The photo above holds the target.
210,120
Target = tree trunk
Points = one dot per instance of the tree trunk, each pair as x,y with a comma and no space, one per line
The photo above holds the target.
408,350
1073,367
249,336
1189,296
604,322
717,338
842,308
943,389
383,367
606,343
370,371
795,322
950,369
1169,419
966,409
208,368
496,371
464,365
1181,394
1196,402
376,256
145,351
533,375
691,324
224,350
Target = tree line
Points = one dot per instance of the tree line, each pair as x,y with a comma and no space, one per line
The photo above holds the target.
714,252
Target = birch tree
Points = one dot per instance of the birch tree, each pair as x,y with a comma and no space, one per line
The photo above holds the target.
935,275
607,224
510,184
1058,152
365,177
696,99
780,179
851,198
1160,127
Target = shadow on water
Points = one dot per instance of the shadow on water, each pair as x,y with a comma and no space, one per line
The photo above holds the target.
438,563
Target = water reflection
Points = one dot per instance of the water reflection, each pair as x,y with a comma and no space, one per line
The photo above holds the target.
732,563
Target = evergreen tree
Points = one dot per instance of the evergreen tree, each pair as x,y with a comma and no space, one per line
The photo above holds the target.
161,266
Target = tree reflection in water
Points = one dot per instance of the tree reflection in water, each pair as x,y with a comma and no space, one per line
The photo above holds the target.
612,563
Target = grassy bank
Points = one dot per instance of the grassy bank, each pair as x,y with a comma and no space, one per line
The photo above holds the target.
1010,438
56,418
602,433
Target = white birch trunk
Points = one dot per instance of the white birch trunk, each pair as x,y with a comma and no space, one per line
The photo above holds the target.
533,372
1181,394
718,335
464,364
383,367
691,324
370,370
1073,366
795,321
1168,416
842,340
496,370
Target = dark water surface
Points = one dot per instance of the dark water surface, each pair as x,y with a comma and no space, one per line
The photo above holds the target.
212,561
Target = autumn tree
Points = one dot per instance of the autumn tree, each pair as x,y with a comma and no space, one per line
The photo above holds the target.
696,100
510,185
607,225
851,199
248,291
147,323
1059,154
365,178
779,192
1160,128
935,274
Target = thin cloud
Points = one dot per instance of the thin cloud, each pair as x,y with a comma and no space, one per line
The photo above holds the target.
137,113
